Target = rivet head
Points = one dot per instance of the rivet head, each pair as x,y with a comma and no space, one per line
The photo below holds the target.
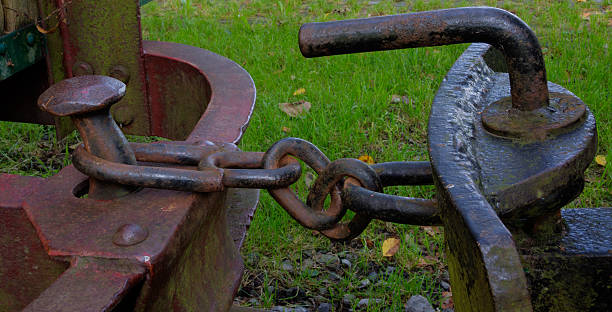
30,38
130,234
120,73
2,48
122,115
81,69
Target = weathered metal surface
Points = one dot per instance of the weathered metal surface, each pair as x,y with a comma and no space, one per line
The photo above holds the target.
103,34
215,90
497,27
562,112
87,100
178,255
90,284
480,176
572,269
19,50
26,270
485,268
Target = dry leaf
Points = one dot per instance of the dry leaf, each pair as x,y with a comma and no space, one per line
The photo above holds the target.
580,0
286,129
447,302
366,159
296,108
601,160
369,243
390,246
431,230
299,91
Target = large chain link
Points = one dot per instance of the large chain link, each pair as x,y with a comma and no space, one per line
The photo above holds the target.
349,183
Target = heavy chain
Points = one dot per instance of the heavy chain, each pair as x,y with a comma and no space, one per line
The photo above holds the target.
350,183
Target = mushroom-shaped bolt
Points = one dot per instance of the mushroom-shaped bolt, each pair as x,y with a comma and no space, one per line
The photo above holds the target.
87,100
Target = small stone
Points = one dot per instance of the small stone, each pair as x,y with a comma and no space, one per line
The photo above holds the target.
346,263
329,259
299,309
348,299
445,285
418,303
280,309
364,283
253,302
365,302
308,263
389,270
287,266
324,307
334,277
373,276
323,290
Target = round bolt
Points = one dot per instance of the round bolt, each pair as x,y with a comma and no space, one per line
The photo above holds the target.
87,100
30,39
82,69
130,234
123,116
121,73
2,48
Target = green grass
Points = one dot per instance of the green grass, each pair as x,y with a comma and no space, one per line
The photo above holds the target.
352,115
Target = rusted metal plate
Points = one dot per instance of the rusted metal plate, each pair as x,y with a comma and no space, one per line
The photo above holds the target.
20,50
572,270
89,285
485,268
103,37
481,175
204,83
25,268
187,247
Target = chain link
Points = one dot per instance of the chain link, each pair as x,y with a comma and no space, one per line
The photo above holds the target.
350,183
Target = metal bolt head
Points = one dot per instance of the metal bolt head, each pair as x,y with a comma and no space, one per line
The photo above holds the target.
130,234
82,69
80,95
120,73
30,39
2,48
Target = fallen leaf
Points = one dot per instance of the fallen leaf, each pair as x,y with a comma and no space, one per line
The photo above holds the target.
366,159
447,302
580,0
390,246
369,243
601,160
426,261
299,91
431,230
296,108
286,129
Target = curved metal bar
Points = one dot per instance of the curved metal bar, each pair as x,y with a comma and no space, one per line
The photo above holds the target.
497,27
147,176
404,173
385,207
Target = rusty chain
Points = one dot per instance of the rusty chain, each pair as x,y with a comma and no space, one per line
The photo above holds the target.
350,183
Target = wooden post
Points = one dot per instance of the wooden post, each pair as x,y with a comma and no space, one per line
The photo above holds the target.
1,19
18,13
